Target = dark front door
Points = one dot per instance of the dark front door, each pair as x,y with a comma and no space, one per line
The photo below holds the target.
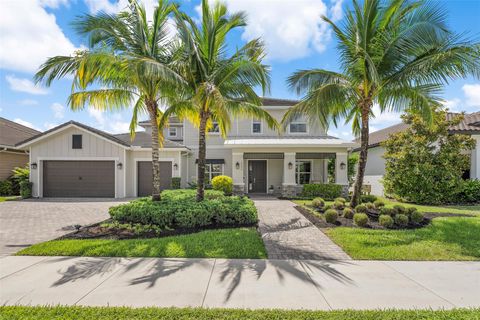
145,177
257,176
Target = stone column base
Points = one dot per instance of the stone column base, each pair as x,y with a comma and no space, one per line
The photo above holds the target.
345,188
239,189
291,190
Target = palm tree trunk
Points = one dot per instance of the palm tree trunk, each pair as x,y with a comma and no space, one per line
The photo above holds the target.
202,150
153,113
362,162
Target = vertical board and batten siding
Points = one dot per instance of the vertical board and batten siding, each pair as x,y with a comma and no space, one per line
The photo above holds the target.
9,161
59,147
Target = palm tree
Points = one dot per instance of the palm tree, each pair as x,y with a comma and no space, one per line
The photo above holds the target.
219,85
396,54
128,63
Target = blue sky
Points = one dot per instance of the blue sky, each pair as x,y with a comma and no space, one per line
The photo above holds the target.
32,30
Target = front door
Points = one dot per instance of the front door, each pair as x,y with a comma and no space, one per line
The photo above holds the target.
257,176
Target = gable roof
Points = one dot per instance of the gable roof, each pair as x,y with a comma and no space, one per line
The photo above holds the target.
11,133
144,140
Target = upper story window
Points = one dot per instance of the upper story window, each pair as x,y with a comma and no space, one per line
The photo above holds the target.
215,128
172,131
76,141
298,126
257,126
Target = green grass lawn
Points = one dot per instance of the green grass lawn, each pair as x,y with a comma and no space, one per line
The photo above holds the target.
9,198
107,313
222,243
452,238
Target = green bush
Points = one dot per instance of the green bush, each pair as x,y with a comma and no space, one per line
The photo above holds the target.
348,213
370,206
410,210
339,205
327,207
387,211
401,220
470,192
364,198
318,203
360,219
26,189
179,209
331,215
340,199
6,188
176,181
385,221
328,191
416,217
223,183
361,208
399,209
379,204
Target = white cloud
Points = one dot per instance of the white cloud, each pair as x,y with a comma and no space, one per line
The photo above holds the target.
290,29
29,34
49,125
58,110
115,124
97,115
28,102
472,94
25,123
384,118
24,85
119,127
452,104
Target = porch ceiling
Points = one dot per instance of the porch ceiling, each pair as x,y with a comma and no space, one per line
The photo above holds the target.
289,142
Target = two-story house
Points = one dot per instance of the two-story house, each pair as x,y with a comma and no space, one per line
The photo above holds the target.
74,160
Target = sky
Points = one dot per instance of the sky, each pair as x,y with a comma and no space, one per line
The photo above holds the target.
295,36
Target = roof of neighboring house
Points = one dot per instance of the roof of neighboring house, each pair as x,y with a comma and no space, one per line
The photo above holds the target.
144,140
11,133
469,125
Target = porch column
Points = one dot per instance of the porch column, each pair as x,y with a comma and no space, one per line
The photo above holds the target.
475,160
341,176
237,173
289,185
325,170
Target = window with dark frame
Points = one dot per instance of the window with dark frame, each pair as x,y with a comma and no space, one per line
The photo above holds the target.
77,141
256,126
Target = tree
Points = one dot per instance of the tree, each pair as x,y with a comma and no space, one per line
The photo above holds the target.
219,85
351,167
397,54
425,163
128,62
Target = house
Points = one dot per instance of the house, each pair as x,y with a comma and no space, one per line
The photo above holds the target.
10,156
375,168
74,160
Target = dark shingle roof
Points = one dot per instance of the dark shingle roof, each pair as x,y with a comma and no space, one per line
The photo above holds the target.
278,102
11,132
144,140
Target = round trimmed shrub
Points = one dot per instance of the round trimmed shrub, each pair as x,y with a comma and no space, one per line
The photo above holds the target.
416,217
370,206
360,219
318,203
401,220
361,208
339,205
399,209
387,211
342,200
223,183
379,204
410,210
348,213
327,207
385,221
331,215
368,198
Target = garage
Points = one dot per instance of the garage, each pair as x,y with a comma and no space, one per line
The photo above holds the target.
145,179
92,179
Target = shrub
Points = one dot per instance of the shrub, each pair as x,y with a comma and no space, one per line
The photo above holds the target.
318,203
401,220
223,183
328,191
379,204
385,221
361,208
348,213
340,199
370,206
470,192
416,217
339,205
6,188
387,211
331,215
364,198
26,189
360,219
327,207
399,209
176,182
410,210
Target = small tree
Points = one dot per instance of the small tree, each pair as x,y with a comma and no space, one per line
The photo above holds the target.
425,163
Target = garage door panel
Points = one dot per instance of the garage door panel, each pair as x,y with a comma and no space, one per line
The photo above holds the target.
79,179
145,177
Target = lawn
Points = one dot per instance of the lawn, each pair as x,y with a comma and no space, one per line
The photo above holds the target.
9,198
221,243
107,313
452,238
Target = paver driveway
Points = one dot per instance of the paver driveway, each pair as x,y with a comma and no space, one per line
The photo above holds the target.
23,223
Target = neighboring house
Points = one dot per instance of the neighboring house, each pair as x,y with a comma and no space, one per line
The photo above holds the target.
10,156
74,160
375,168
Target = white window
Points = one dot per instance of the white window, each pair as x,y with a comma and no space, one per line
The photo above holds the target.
298,126
172,132
303,172
257,126
215,128
212,170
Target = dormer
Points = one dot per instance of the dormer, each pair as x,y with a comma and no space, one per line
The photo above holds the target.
173,132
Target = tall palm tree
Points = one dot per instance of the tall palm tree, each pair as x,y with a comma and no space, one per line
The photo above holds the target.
219,85
128,63
397,54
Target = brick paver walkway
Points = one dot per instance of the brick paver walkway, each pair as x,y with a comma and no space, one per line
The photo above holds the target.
23,223
289,235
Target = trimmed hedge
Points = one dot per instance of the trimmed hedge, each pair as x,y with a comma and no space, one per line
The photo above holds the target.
223,183
328,191
178,209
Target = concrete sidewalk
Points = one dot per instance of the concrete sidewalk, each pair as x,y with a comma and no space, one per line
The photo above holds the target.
286,284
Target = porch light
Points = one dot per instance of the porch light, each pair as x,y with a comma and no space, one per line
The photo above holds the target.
34,166
342,165
175,166
119,166
237,165
290,165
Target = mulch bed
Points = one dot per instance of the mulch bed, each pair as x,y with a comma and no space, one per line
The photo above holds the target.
317,220
97,231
